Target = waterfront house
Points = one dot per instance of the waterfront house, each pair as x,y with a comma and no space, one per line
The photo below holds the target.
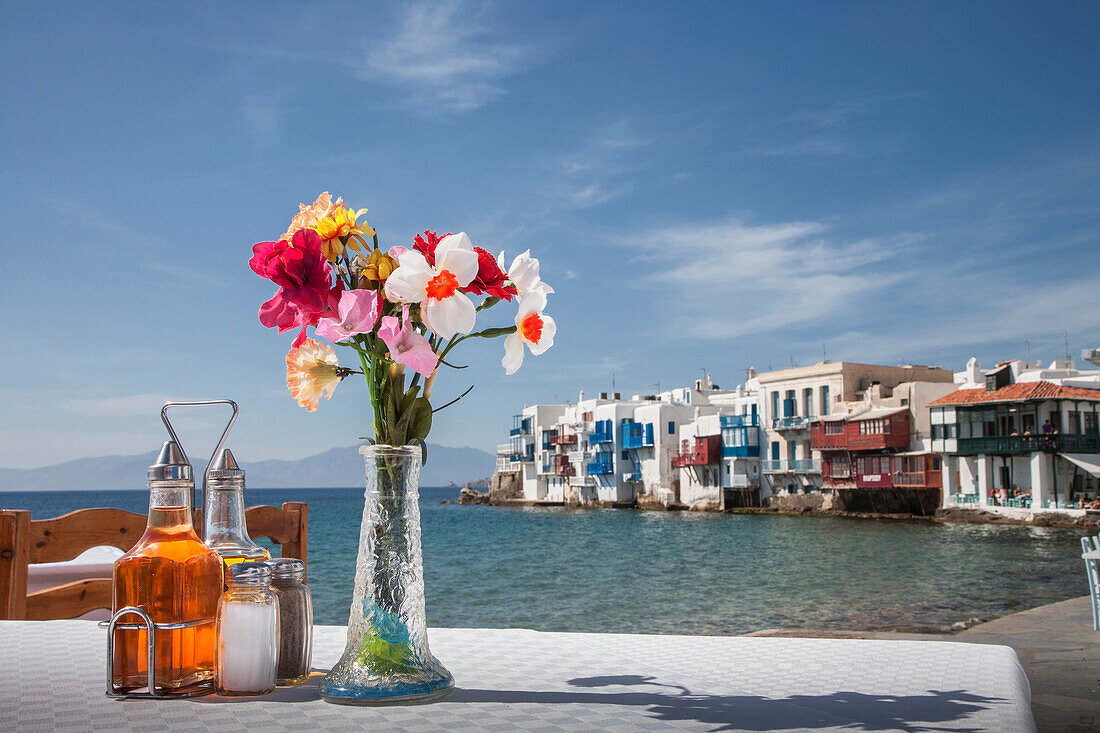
876,454
719,456
795,398
1019,438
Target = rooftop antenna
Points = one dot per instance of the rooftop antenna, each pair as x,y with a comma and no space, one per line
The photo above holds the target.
1027,351
1065,337
792,361
657,384
824,354
612,382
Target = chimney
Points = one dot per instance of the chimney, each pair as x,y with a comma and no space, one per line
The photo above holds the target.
618,396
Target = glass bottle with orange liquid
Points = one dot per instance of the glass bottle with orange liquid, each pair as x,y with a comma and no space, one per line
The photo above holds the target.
172,576
224,529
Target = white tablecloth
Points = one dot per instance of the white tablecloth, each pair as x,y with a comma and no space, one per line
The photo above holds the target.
52,677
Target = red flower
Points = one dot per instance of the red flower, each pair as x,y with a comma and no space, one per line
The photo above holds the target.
301,271
426,245
490,280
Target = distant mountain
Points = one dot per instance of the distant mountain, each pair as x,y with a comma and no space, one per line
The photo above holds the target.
335,467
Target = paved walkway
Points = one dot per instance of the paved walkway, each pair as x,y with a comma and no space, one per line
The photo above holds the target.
1056,646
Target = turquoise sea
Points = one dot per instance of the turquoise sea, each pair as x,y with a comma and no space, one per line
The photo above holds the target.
559,569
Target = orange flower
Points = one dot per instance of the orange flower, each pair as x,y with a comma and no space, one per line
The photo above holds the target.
308,216
312,369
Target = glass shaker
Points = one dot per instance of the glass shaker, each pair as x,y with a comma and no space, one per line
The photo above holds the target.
247,632
295,620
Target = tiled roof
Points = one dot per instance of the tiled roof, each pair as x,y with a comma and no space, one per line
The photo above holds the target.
1017,393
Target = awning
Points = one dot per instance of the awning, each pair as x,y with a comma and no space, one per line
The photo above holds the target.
1090,463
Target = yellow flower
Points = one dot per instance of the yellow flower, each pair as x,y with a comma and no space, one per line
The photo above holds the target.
308,216
377,269
311,369
339,228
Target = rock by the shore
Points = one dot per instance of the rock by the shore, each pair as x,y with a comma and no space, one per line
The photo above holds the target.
472,496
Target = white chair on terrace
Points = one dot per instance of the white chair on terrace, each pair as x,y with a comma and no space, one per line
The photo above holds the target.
1092,570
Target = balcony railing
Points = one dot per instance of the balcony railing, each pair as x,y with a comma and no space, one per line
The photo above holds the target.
598,438
1050,443
570,439
795,466
504,449
600,468
738,421
740,451
637,435
791,423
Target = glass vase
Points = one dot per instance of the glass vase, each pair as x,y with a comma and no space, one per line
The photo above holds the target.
387,660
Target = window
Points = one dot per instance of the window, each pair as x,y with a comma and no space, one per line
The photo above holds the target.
775,404
671,427
834,427
790,409
937,432
626,455
1091,423
775,450
808,401
825,400
935,463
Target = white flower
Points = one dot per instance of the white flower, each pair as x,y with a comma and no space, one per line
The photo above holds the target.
524,274
532,328
443,307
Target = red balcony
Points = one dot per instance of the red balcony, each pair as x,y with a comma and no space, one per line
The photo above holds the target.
875,430
704,451
562,466
570,439
874,481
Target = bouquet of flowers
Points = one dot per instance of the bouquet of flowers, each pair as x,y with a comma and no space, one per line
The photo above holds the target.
400,311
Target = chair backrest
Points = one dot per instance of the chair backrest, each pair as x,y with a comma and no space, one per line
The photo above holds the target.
24,541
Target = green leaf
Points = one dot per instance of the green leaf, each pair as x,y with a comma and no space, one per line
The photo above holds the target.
491,333
421,422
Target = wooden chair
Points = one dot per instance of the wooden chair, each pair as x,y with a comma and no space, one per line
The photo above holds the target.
24,541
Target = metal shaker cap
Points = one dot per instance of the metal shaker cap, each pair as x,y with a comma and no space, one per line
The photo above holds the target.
171,464
226,467
248,573
288,568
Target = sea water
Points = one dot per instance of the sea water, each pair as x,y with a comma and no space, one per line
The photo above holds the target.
615,570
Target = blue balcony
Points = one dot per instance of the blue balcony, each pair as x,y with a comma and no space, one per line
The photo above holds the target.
634,476
603,433
740,451
600,468
637,435
738,421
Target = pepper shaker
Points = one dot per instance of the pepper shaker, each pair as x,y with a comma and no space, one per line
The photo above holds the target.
295,620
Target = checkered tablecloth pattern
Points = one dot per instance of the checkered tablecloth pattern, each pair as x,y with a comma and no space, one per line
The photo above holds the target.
53,676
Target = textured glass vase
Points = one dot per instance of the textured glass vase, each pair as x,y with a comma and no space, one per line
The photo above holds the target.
387,660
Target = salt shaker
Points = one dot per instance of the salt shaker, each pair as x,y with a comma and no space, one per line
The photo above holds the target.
295,620
247,649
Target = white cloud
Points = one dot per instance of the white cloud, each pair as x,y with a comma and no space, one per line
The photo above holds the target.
730,278
447,58
600,169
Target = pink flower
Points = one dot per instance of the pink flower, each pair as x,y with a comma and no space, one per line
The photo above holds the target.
357,313
301,271
396,251
406,345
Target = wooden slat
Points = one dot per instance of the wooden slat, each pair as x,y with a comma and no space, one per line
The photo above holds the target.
14,524
268,521
297,546
65,537
70,600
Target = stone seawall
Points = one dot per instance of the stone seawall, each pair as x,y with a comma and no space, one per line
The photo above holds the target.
506,487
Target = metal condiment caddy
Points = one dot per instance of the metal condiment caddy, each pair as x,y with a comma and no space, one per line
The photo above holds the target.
200,688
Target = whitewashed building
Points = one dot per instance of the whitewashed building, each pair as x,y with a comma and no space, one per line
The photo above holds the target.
1019,438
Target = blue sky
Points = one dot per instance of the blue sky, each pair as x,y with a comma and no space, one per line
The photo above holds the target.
709,186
